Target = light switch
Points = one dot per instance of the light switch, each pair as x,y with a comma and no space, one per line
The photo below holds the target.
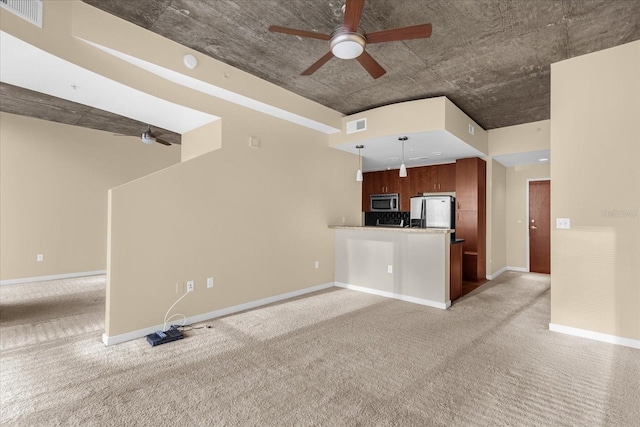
563,223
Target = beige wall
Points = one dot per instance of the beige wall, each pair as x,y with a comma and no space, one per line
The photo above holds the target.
496,218
521,138
54,180
254,219
201,140
517,210
595,173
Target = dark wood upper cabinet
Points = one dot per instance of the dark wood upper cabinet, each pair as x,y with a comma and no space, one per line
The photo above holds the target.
433,179
467,184
447,177
421,179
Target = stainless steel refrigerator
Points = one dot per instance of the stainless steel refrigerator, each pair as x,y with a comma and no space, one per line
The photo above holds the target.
433,212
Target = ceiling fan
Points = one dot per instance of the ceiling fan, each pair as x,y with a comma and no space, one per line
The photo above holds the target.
348,41
149,137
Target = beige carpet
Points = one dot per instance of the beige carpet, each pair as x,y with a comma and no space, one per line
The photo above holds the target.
337,357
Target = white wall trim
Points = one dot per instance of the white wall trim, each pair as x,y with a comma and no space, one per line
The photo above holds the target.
52,277
597,336
497,273
393,295
117,339
505,269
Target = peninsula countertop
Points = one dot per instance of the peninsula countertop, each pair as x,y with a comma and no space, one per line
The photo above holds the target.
394,229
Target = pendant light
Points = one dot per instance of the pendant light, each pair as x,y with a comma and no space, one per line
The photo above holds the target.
359,173
403,168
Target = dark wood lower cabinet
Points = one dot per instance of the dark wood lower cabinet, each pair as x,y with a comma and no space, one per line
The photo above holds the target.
470,266
455,271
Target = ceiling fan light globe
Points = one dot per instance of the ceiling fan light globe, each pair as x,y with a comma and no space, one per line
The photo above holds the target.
146,138
347,45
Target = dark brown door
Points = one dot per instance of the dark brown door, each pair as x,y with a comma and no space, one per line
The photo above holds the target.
539,227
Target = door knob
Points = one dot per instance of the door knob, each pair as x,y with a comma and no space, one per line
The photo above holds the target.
533,227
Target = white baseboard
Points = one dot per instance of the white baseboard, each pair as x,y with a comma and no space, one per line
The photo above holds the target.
117,339
597,336
505,269
52,277
497,273
401,297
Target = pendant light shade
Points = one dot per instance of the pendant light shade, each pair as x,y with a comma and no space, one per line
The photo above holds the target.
403,168
359,173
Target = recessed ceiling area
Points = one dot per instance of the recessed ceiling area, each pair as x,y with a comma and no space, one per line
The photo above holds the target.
524,159
420,149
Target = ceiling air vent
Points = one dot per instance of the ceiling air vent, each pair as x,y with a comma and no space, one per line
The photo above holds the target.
31,10
357,126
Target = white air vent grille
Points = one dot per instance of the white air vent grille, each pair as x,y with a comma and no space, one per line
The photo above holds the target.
357,126
31,10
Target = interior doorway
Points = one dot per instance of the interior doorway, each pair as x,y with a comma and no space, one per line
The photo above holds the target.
540,226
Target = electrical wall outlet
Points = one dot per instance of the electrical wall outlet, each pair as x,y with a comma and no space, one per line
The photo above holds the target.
190,286
317,264
390,269
209,282
563,223
40,257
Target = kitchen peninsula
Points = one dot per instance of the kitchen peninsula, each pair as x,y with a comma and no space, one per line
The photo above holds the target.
410,264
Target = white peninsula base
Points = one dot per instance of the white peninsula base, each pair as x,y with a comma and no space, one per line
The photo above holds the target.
403,263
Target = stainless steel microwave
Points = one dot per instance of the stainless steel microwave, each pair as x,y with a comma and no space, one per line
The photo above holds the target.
385,202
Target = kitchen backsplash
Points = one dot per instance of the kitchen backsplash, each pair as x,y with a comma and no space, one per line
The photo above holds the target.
371,218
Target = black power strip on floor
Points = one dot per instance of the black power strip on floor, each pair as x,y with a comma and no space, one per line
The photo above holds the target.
163,337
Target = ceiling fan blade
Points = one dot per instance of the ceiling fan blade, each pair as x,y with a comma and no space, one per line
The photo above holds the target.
352,13
301,33
371,65
319,63
421,31
162,141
